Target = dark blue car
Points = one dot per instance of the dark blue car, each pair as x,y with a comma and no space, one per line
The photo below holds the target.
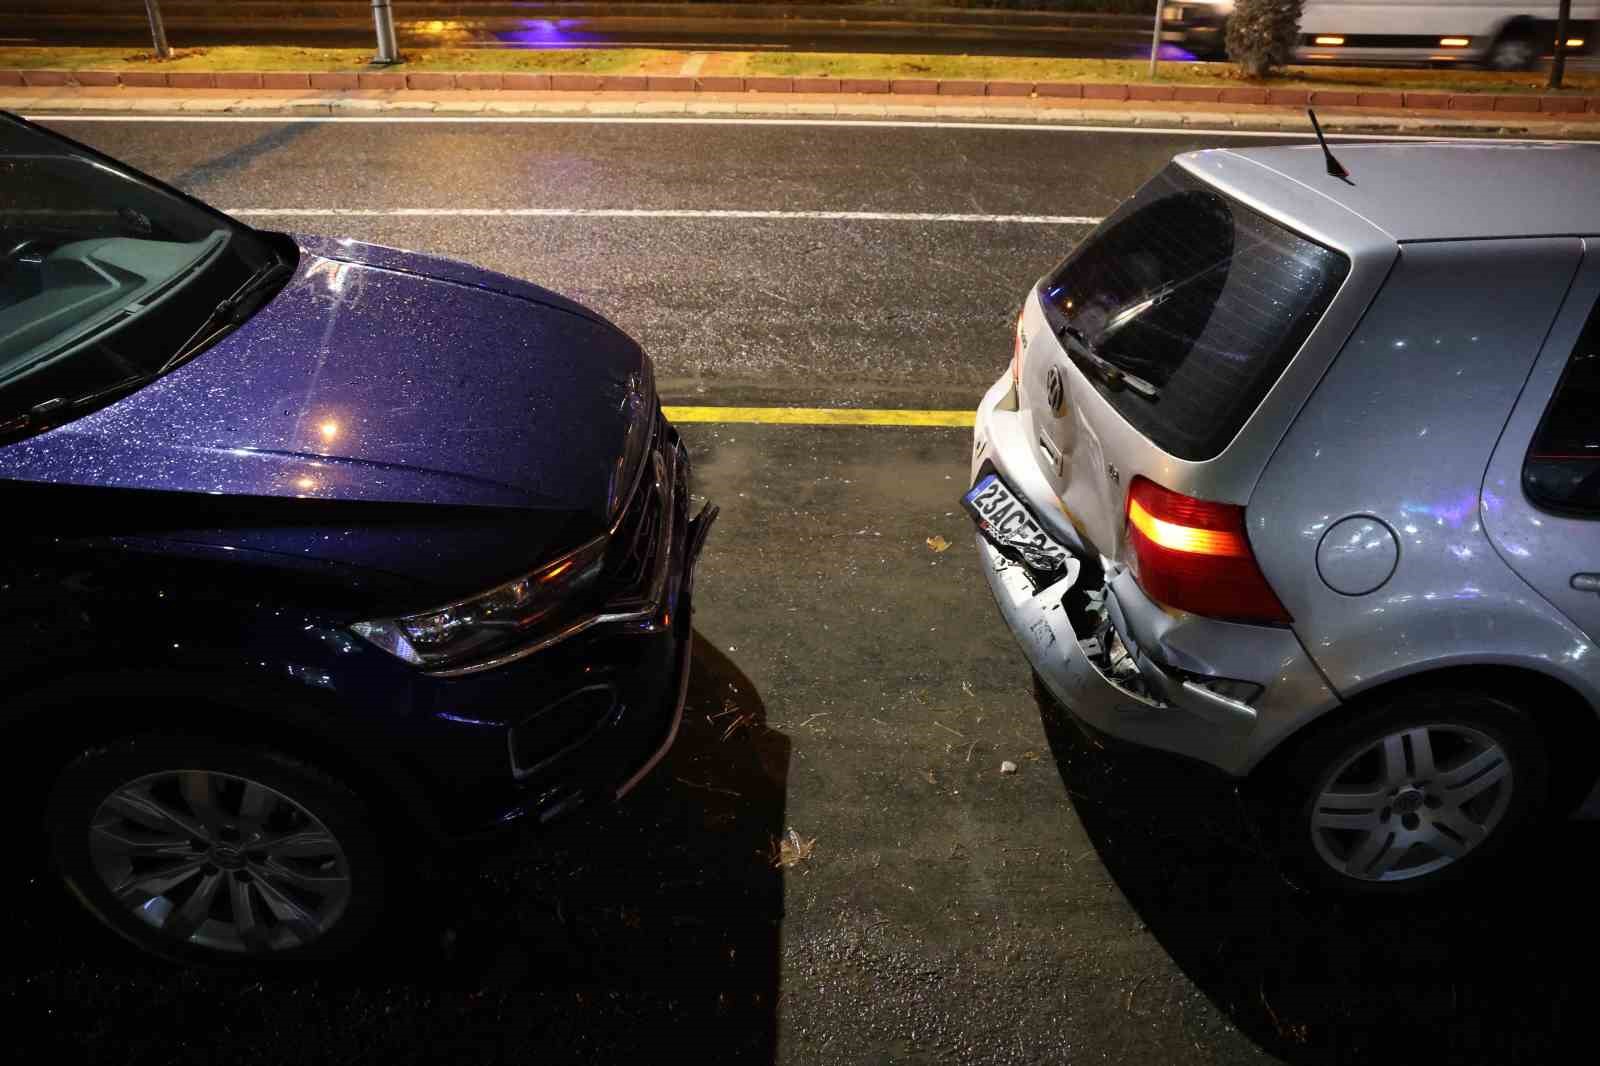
314,553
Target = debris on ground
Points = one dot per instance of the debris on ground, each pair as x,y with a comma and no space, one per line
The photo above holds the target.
1291,1031
707,787
742,719
792,849
938,543
745,720
1008,767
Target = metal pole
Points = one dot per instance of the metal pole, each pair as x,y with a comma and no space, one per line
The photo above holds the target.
383,20
158,29
1558,66
1155,40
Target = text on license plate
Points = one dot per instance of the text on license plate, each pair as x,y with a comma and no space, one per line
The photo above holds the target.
1006,522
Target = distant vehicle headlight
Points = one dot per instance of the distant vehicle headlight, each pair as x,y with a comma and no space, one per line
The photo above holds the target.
458,629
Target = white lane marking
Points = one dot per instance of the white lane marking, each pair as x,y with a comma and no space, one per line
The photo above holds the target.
639,212
873,123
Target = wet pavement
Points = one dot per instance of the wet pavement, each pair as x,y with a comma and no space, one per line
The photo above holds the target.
854,692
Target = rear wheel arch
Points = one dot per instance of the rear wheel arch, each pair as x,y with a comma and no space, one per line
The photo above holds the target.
1567,722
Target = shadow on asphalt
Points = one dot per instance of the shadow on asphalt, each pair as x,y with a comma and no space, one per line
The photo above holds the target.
646,931
1490,975
197,179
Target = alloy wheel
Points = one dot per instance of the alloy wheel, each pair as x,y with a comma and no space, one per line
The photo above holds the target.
219,861
1411,803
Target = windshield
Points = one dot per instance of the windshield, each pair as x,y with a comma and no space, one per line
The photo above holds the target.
105,276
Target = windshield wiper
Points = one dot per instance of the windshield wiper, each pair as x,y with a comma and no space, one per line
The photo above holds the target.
45,412
230,312
1108,371
1140,306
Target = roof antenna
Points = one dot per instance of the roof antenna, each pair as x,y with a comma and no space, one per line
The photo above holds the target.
1335,168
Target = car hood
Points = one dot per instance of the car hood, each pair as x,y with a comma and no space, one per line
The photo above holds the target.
382,376
391,412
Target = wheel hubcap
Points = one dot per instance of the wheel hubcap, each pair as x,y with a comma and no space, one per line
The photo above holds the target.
228,858
1408,800
221,861
1412,803
1513,55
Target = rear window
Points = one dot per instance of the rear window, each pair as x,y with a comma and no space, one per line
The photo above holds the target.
1562,471
1185,306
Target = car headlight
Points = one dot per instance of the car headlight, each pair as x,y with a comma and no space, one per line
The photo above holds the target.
458,629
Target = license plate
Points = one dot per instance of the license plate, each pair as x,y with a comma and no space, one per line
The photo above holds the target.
1007,523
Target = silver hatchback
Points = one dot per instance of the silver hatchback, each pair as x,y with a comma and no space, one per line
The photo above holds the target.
1299,475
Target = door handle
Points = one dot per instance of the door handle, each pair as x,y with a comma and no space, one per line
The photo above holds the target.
1586,582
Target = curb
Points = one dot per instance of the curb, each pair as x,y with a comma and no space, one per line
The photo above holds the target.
1515,103
846,107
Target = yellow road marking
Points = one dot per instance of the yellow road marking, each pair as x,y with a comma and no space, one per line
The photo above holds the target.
820,416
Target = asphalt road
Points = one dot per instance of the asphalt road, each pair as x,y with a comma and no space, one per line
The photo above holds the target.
795,306
852,684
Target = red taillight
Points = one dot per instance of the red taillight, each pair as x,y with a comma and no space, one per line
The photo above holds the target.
1194,555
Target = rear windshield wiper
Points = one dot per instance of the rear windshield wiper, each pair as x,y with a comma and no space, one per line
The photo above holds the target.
1108,371
230,312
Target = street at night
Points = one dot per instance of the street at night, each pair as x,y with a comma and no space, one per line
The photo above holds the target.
830,865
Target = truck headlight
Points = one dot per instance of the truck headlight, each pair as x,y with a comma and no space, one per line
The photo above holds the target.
458,629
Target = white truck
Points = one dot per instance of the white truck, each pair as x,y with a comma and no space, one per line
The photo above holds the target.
1490,33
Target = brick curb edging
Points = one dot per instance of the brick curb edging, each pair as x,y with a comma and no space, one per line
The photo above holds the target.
1519,103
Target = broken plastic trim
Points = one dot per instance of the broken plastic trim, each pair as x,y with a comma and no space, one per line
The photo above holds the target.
1109,655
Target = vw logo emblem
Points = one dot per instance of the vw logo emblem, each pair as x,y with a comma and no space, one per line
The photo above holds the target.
1055,390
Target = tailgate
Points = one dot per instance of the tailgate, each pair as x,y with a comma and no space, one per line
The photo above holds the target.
1151,345
1066,443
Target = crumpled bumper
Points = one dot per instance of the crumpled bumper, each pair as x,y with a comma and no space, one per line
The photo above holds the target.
1148,713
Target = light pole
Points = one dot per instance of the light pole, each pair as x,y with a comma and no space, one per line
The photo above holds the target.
158,30
1558,66
1155,40
383,20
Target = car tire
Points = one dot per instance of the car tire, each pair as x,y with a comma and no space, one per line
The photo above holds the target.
1513,50
211,853
1407,796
